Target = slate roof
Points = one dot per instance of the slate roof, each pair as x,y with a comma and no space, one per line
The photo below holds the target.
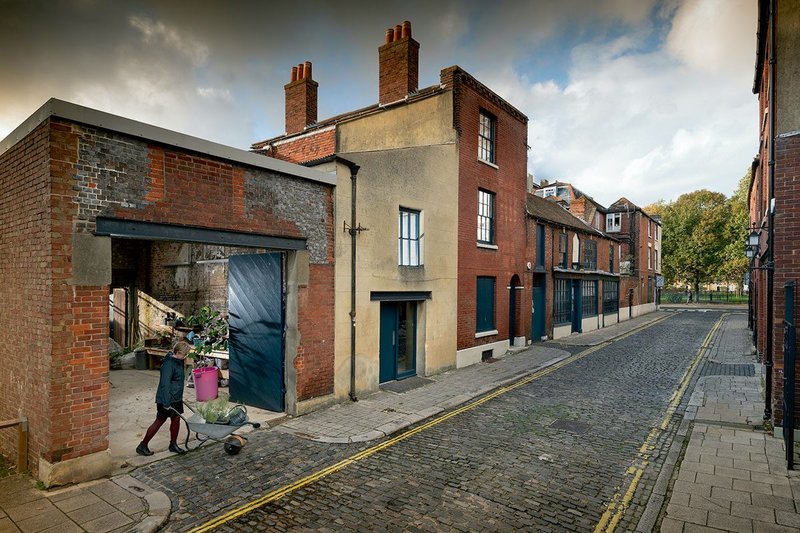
547,211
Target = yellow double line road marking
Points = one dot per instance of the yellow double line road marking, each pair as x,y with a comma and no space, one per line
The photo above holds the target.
617,507
316,476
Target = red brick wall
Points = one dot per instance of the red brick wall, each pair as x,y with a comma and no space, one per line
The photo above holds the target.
301,104
508,182
787,259
398,65
305,148
54,183
25,293
316,327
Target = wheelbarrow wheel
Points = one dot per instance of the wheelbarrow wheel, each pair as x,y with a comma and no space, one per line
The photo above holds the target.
234,444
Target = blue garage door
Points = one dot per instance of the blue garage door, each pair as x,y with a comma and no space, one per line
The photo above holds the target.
256,323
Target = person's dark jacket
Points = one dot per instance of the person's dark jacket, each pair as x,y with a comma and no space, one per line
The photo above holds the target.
170,384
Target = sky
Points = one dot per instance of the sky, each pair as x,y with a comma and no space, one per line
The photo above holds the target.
647,99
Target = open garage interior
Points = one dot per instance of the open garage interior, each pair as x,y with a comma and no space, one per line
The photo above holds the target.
156,289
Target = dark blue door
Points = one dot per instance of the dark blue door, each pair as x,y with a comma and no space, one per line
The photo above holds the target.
398,339
255,309
577,306
537,321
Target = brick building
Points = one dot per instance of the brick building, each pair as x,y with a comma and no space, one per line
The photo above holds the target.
775,178
573,272
640,255
576,201
450,158
92,202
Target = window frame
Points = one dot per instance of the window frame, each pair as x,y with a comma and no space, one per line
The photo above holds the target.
487,144
411,240
611,258
589,254
610,296
482,314
481,229
562,301
589,298
613,222
563,248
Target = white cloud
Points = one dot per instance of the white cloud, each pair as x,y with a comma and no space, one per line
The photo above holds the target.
648,124
211,93
192,49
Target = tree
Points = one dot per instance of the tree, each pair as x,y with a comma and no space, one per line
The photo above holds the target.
656,209
734,262
694,237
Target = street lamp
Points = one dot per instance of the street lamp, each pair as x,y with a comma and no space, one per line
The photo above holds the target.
751,245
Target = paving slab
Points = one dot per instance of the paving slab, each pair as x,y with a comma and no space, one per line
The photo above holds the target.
760,495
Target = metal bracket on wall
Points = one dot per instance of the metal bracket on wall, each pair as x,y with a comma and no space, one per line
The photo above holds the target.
351,230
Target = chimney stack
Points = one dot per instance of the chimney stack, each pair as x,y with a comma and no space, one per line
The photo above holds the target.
398,64
301,99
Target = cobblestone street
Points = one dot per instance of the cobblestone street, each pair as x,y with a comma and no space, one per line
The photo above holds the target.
548,455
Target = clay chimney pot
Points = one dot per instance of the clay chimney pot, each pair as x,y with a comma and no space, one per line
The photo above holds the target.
307,66
294,74
301,71
389,35
406,29
398,32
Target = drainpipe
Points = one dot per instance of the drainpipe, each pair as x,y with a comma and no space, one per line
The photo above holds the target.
353,230
771,214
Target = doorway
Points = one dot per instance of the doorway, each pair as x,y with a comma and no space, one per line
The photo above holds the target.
538,313
577,306
398,341
256,325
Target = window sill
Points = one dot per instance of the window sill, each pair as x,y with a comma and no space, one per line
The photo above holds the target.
485,162
485,334
487,246
411,266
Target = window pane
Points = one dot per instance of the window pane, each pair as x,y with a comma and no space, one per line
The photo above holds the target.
408,238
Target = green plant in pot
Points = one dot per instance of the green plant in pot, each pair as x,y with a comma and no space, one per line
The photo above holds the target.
211,331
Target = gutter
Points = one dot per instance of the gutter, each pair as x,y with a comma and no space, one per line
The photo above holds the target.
353,229
770,217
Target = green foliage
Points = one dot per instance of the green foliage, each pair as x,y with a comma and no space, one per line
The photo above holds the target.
215,411
734,262
703,236
694,237
212,328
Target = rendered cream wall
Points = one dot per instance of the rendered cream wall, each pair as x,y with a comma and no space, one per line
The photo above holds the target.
408,158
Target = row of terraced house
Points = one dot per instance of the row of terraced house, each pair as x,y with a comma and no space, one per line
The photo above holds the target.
400,239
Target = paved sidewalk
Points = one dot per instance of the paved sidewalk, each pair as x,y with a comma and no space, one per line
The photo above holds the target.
732,477
118,504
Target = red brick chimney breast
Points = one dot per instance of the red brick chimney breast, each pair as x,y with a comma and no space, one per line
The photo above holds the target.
301,99
398,64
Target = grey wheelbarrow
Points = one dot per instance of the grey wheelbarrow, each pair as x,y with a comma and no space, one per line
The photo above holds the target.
217,432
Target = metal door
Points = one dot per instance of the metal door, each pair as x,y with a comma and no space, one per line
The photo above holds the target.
577,306
537,320
398,339
512,313
256,323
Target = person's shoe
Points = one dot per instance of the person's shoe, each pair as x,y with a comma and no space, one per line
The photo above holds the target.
142,449
174,448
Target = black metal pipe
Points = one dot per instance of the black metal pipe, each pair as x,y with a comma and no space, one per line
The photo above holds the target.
353,232
770,216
